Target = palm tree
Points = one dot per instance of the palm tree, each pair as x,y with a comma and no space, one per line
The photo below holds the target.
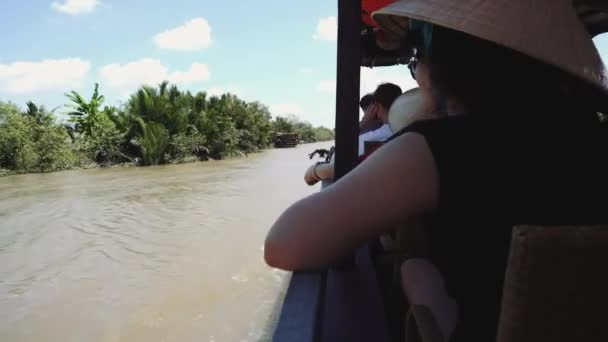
154,142
38,114
124,122
199,102
165,105
85,114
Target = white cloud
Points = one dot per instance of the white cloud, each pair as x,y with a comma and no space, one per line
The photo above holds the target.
75,7
129,76
28,77
198,72
327,86
283,109
191,36
327,29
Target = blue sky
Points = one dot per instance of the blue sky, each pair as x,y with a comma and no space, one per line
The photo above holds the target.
282,54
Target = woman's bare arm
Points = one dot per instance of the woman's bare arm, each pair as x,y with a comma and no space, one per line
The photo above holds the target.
396,183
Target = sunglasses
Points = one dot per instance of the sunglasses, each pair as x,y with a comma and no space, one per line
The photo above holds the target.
418,38
413,63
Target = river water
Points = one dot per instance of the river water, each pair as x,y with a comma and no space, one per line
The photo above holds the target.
170,253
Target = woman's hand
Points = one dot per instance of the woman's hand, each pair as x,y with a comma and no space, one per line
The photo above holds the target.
309,176
318,172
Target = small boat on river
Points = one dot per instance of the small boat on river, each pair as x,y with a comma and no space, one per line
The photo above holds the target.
286,140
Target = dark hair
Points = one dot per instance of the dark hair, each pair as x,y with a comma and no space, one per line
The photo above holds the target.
490,79
366,101
386,94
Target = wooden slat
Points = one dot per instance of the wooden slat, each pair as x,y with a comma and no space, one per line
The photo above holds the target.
598,5
555,285
354,309
300,312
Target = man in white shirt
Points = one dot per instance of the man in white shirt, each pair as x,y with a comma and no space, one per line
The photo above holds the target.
383,98
381,134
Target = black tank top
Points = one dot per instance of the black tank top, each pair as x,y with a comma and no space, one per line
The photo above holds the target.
495,174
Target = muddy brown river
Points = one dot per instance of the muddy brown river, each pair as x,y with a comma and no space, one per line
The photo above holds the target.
171,253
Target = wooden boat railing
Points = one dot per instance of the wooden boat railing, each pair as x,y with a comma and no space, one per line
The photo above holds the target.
335,305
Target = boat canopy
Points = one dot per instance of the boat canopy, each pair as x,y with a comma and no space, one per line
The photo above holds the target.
593,13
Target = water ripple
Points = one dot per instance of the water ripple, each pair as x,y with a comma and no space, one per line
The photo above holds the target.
170,252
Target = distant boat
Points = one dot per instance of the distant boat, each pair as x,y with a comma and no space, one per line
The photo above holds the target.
286,140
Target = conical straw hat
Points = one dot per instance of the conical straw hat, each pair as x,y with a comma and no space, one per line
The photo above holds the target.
547,30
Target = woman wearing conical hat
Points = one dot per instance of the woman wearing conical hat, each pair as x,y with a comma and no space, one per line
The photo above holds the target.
519,84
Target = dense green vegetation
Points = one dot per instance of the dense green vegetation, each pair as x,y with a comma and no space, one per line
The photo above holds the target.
307,132
157,125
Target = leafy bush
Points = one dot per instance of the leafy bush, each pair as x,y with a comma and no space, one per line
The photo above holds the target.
103,144
17,150
305,130
183,146
53,150
32,141
324,134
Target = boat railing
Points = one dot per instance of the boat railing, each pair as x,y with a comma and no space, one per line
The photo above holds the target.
334,305
338,304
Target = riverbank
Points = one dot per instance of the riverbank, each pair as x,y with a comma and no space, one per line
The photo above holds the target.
187,160
6,173
157,125
93,165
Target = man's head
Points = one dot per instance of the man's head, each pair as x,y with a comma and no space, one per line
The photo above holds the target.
369,116
384,96
366,101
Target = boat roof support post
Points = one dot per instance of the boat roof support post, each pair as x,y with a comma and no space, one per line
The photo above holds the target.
347,95
347,85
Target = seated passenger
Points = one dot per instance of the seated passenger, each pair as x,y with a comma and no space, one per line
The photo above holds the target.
518,142
369,121
383,98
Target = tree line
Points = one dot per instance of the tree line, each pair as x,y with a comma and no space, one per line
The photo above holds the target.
156,125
